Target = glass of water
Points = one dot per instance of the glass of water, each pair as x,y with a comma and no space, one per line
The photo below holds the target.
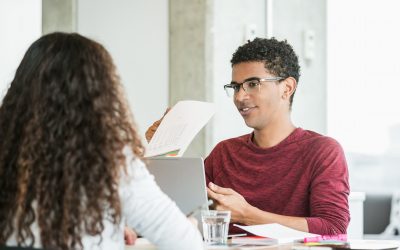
215,226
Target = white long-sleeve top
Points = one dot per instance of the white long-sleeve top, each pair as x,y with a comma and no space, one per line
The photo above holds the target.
147,210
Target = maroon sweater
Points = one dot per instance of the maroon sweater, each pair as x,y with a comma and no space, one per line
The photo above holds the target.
305,175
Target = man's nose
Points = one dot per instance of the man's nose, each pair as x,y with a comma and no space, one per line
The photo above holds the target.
241,95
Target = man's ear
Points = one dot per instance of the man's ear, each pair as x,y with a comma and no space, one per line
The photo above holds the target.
289,85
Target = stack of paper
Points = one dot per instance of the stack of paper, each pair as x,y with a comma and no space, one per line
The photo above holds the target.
178,128
254,240
280,234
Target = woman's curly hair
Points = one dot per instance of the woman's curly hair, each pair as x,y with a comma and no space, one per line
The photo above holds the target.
278,56
64,123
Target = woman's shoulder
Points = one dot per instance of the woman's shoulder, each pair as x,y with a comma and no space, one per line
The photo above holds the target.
134,165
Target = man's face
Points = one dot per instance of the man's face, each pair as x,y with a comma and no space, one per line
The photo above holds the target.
259,108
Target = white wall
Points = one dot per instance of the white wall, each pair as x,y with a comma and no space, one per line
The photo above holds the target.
231,17
20,25
291,20
136,35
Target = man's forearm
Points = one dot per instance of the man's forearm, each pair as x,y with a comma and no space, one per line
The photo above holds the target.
254,216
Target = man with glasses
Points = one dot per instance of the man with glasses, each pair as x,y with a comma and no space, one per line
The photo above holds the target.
279,173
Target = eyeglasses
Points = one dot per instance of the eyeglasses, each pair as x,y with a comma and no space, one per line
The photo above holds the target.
250,86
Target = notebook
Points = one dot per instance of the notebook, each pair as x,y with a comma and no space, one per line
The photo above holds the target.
182,179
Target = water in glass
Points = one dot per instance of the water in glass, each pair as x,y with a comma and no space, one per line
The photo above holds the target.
216,226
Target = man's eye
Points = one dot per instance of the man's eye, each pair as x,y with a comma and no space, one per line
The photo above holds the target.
253,84
236,87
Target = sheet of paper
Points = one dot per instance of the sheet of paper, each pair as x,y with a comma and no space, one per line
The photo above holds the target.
178,128
276,231
374,244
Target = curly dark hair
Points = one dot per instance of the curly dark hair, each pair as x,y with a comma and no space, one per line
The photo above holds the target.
64,123
278,56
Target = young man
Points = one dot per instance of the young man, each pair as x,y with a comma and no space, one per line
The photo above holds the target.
279,173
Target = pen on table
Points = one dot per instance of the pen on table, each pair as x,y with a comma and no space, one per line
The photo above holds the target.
236,235
199,208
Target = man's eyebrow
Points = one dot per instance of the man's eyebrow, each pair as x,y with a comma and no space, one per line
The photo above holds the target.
247,79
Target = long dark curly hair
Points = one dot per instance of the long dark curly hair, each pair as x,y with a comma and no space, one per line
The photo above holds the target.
64,124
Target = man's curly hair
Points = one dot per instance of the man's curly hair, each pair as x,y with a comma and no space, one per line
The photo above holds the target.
278,56
64,124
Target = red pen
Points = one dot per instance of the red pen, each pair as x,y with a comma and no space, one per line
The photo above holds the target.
338,237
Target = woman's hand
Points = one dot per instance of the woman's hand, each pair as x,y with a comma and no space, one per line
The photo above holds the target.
130,236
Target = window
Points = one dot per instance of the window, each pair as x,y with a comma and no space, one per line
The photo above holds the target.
364,89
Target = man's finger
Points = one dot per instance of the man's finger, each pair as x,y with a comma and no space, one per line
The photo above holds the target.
211,194
167,110
221,208
214,195
156,124
220,190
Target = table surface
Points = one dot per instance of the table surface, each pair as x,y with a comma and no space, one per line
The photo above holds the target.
143,244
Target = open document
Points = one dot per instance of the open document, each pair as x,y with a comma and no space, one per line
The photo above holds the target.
277,233
178,128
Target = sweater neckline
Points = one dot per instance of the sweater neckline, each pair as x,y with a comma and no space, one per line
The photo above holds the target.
296,133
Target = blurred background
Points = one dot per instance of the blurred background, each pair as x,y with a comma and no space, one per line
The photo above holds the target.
174,50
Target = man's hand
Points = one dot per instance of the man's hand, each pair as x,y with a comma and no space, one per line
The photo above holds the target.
130,236
152,129
229,199
244,213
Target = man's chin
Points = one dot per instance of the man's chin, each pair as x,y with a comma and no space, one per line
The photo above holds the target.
250,124
254,125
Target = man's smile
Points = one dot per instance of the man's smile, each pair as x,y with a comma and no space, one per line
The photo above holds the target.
245,110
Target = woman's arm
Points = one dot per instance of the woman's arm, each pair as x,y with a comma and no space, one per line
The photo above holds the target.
153,214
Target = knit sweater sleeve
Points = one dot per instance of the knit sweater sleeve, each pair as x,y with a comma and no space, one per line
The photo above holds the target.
329,190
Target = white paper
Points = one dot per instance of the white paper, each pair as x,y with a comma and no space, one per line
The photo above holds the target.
179,126
276,231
